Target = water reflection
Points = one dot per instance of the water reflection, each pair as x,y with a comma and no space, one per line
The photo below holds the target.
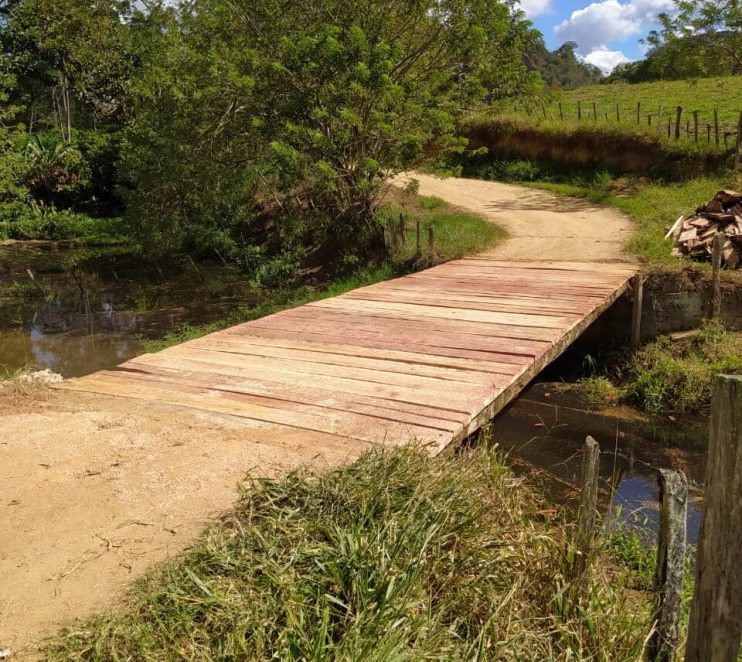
75,320
544,431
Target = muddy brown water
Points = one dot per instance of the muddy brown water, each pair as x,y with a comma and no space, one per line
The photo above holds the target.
76,311
543,432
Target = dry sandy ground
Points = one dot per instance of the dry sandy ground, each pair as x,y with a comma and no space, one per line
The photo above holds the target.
95,490
542,226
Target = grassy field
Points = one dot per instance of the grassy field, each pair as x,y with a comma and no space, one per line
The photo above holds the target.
456,234
398,557
704,95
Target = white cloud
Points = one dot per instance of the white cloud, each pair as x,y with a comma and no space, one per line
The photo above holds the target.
610,21
534,8
605,59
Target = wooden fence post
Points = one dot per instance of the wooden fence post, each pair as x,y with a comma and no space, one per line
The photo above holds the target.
418,239
659,120
431,242
595,112
678,115
669,127
715,626
590,472
618,114
738,143
636,314
579,110
716,126
561,112
638,112
716,257
695,124
670,570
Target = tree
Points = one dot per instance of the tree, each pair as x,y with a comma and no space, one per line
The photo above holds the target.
302,111
76,52
562,68
704,36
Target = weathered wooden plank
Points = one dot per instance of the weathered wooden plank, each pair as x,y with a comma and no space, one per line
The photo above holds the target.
259,364
440,312
456,401
381,342
357,427
338,330
429,356
715,625
347,352
451,374
287,396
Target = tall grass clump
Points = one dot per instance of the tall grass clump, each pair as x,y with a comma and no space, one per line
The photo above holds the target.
669,376
399,556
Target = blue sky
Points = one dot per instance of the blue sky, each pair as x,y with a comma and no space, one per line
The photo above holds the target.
607,32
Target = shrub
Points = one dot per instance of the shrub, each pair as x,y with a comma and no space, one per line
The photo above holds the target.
678,377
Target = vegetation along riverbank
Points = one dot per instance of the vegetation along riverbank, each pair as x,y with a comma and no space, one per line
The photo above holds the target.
388,557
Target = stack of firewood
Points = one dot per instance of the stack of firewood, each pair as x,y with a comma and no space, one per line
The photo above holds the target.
695,236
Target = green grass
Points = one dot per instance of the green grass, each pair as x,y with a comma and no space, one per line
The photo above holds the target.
667,377
456,234
677,377
398,557
704,95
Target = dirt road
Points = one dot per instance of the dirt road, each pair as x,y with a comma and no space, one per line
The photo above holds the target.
95,490
542,226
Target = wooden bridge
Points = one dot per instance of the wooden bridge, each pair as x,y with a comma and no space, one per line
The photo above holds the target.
428,357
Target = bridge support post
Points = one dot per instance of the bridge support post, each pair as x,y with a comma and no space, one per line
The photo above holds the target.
636,315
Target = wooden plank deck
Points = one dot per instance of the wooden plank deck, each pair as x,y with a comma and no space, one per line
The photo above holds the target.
430,356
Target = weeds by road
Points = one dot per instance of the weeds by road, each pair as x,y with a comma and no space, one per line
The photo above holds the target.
399,556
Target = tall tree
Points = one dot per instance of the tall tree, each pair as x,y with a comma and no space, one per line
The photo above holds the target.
701,36
76,51
303,110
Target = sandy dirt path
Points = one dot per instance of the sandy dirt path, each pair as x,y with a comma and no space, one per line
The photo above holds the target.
95,490
542,226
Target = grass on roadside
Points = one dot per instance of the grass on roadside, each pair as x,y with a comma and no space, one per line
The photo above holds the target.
456,234
399,556
654,207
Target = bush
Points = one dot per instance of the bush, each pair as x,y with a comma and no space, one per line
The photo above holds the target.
19,220
267,271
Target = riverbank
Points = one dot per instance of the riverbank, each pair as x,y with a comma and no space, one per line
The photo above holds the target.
400,554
